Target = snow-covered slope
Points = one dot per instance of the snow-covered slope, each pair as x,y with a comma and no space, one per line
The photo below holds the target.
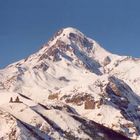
71,88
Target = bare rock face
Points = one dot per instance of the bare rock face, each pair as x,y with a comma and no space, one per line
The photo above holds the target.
43,56
62,78
113,87
84,42
80,99
122,96
53,96
107,61
118,90
89,104
118,87
42,66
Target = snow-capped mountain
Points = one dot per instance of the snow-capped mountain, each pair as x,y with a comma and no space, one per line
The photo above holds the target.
71,89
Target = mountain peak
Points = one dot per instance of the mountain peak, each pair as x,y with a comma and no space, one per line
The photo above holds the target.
72,81
69,30
72,46
65,34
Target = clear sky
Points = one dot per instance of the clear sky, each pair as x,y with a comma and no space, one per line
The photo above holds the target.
27,24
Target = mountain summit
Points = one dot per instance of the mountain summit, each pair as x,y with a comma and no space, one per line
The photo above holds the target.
72,88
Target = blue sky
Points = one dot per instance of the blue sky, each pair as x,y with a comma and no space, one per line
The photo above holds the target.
27,24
